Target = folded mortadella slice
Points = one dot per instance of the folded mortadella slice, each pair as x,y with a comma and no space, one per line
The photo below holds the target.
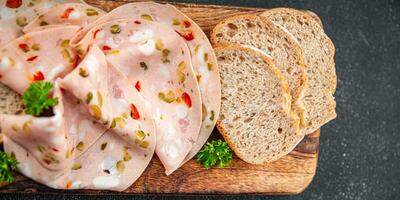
15,14
68,14
157,62
124,151
45,137
42,55
202,56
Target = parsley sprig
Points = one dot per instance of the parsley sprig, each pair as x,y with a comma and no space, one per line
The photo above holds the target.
216,151
37,98
7,165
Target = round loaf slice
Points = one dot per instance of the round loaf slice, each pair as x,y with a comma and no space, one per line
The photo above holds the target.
318,52
256,118
255,31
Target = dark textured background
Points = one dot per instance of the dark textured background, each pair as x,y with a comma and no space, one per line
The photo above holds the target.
360,150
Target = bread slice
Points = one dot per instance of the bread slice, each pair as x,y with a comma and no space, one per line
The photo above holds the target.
10,103
256,118
318,52
253,30
314,16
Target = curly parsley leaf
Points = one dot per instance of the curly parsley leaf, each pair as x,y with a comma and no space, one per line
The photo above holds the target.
216,152
37,98
7,165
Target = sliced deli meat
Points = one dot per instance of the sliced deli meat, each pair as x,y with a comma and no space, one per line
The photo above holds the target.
157,62
66,14
43,55
16,14
119,160
202,56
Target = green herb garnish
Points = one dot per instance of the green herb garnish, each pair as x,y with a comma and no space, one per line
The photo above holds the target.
37,98
7,165
216,151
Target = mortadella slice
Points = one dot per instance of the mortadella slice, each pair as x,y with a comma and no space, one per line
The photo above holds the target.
66,14
44,137
15,14
42,55
157,61
202,56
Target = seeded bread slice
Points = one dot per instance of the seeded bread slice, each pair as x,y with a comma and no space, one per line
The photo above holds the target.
256,31
256,118
318,52
10,103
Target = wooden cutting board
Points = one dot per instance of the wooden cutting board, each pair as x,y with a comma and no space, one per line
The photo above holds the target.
289,175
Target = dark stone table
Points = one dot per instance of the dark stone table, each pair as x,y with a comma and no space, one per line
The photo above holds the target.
360,150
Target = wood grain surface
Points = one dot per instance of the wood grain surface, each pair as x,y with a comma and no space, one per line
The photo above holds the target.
289,175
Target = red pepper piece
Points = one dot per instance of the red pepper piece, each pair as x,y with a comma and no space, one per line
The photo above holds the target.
137,22
46,161
14,3
186,98
66,13
186,23
106,48
38,76
187,35
24,47
31,58
138,86
95,33
54,149
134,112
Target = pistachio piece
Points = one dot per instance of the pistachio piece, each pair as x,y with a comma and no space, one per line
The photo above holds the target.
115,29
36,47
127,156
159,45
140,135
80,146
147,17
89,97
204,112
144,144
65,44
143,65
21,21
176,22
181,76
96,111
120,166
212,115
210,66
43,23
169,97
91,12
76,166
83,72
181,66
99,99
103,146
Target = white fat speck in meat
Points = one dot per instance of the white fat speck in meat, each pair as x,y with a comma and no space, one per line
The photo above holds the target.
83,126
5,63
100,34
110,42
203,70
109,165
76,185
164,71
74,15
181,111
200,55
148,47
55,71
141,36
120,106
106,182
59,140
